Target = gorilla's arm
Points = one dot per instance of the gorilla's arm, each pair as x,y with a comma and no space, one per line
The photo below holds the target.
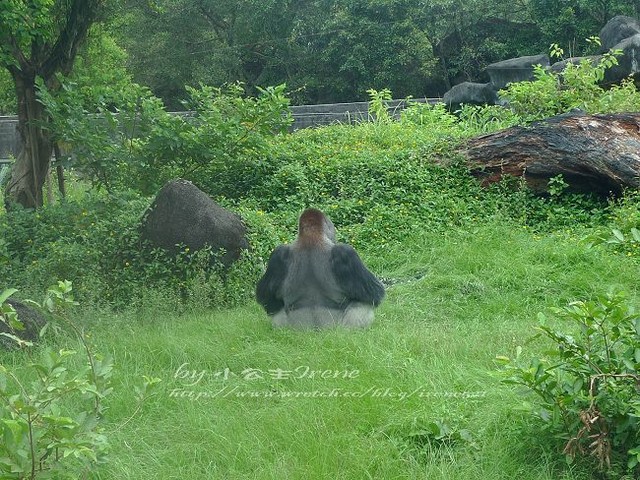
353,277
268,290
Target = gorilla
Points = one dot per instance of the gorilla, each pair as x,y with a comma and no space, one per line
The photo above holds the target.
315,282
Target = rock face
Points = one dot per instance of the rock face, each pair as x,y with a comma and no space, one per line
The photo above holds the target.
182,214
469,93
616,30
628,63
514,70
620,33
32,320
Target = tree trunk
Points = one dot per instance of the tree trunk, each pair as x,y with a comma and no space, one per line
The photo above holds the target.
31,166
59,170
593,153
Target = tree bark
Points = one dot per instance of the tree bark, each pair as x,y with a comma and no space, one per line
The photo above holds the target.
31,166
593,153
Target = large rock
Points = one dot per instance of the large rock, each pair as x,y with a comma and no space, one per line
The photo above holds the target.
515,70
182,214
559,67
628,62
32,320
469,93
616,30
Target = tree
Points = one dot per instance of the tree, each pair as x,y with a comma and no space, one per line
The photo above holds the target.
39,39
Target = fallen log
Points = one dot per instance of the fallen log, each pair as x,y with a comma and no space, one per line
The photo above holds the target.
593,153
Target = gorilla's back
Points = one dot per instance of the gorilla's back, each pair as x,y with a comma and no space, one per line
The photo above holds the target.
310,282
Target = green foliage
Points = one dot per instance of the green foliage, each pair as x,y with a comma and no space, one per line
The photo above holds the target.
478,120
379,182
432,435
378,109
134,143
324,50
9,317
621,234
587,386
577,87
430,115
97,243
27,23
8,104
42,436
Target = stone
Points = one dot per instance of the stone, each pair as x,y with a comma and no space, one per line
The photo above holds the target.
515,70
628,62
183,215
616,30
469,93
32,320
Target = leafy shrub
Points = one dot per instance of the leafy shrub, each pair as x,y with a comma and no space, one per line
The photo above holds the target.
622,230
97,243
587,387
42,437
577,87
132,142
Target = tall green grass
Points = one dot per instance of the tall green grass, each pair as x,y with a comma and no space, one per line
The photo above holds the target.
459,300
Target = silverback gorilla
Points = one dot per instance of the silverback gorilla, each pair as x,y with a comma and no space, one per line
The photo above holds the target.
315,282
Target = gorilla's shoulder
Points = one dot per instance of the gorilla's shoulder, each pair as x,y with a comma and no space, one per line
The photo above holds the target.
343,250
281,253
344,259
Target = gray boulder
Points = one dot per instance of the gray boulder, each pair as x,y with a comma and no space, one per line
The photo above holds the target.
616,30
515,70
32,320
469,93
182,214
628,62
559,67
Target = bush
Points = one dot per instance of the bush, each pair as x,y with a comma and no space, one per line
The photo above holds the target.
587,386
132,142
42,436
96,242
577,87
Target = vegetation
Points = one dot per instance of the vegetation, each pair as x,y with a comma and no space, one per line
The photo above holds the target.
332,51
588,388
39,41
42,437
422,394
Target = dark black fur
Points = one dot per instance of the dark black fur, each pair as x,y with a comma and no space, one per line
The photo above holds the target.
268,290
316,282
352,276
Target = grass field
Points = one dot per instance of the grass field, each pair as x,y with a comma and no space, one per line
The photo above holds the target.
240,400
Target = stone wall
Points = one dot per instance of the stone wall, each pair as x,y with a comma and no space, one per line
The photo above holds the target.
9,141
304,116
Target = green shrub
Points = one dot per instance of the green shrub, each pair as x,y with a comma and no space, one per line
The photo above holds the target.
97,243
132,142
42,436
577,87
621,233
587,386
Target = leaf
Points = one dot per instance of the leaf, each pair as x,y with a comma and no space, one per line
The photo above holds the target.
6,294
635,233
577,385
18,340
618,234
